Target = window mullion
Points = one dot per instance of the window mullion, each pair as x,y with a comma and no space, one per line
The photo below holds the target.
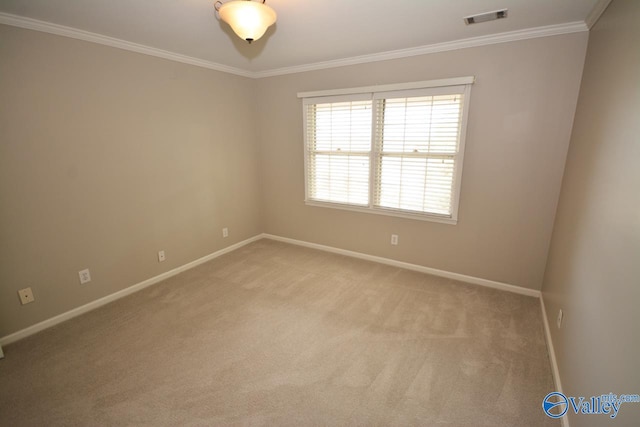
374,160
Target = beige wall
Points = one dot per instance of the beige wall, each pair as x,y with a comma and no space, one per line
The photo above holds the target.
593,273
108,156
522,109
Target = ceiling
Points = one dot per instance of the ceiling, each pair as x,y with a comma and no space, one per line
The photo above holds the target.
308,33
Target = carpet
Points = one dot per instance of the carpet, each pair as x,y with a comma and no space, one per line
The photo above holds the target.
276,334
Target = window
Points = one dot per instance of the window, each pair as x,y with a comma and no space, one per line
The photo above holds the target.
339,151
394,150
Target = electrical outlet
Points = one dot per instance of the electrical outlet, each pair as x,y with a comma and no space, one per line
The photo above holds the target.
225,232
26,296
394,239
560,316
161,256
85,276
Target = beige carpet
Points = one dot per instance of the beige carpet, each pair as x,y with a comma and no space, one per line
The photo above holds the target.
274,334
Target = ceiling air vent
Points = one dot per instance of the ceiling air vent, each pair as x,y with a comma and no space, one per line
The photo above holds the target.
484,17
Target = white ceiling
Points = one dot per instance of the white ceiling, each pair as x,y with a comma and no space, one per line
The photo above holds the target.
307,32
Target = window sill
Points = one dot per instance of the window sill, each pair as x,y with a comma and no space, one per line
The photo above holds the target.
383,211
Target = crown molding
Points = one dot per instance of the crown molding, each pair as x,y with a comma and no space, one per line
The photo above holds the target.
61,30
530,33
596,12
510,36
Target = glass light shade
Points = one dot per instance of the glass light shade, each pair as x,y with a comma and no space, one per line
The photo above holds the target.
248,19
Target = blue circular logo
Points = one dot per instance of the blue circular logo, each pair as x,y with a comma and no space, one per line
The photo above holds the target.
555,400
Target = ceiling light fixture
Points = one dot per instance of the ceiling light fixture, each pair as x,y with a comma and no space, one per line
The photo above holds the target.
248,19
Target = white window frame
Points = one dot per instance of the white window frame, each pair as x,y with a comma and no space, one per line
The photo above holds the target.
461,84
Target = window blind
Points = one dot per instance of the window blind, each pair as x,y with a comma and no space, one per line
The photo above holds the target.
417,140
338,151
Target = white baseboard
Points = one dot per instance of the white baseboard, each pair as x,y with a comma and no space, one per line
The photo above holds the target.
8,339
552,356
122,293
422,269
442,273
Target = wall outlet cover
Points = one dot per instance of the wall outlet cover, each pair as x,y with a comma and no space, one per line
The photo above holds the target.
85,276
26,296
560,316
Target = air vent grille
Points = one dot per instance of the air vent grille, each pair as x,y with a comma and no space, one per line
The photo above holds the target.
484,17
